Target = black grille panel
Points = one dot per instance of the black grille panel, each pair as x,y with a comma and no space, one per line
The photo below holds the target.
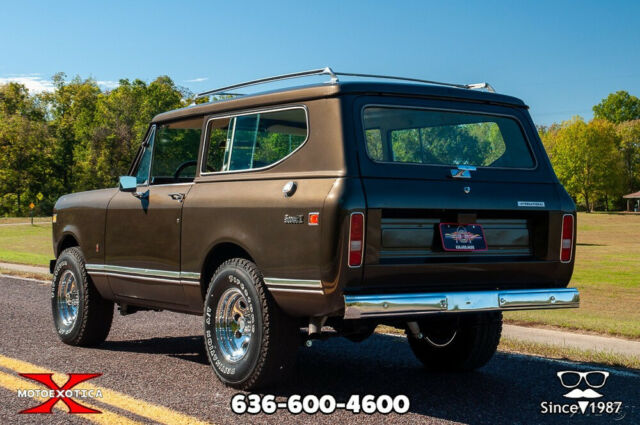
419,237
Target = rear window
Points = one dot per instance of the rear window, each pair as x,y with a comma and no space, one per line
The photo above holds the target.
433,137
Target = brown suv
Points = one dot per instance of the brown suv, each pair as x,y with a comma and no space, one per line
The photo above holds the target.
332,207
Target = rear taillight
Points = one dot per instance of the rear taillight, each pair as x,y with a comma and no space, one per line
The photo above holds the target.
566,244
356,239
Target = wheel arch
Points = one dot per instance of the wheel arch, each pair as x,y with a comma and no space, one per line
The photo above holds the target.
218,254
68,240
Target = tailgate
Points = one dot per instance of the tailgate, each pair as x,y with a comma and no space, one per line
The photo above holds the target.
404,249
428,162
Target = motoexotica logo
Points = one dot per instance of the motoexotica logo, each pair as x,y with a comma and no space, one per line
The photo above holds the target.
585,390
63,393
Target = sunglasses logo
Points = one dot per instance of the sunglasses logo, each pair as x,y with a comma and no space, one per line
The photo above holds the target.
572,379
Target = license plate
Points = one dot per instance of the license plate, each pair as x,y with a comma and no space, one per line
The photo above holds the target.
462,237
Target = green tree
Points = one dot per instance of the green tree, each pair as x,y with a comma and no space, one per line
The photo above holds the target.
629,134
72,107
25,149
15,100
25,162
121,119
618,107
586,159
76,137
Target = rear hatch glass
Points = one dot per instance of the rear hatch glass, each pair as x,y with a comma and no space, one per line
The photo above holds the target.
397,134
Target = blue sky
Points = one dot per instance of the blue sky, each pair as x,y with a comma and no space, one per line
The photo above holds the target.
560,57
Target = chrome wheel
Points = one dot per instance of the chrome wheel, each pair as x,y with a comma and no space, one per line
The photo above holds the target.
234,325
67,300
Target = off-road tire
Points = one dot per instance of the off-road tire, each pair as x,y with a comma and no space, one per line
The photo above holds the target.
474,344
271,352
95,314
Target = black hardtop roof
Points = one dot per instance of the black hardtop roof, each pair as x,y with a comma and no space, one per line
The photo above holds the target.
323,90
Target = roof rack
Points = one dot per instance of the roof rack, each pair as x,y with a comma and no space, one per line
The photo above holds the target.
334,79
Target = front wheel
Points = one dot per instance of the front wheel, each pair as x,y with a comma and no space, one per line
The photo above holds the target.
81,316
459,343
249,341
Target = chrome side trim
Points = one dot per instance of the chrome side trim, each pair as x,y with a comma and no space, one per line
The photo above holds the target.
190,275
132,270
188,278
361,306
294,285
296,290
145,278
271,281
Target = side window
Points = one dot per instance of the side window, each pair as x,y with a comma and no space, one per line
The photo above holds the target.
175,152
142,173
244,142
220,133
254,141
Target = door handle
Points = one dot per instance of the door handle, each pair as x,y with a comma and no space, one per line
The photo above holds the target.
177,196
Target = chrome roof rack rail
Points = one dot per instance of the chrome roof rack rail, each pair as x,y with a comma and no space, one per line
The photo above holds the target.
320,71
480,86
391,77
334,79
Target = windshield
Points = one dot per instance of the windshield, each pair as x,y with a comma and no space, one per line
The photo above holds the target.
433,137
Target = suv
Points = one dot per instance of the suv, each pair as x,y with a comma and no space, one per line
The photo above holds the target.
332,207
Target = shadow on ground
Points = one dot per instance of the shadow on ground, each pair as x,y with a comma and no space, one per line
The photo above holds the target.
510,389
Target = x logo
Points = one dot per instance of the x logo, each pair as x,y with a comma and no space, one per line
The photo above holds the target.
74,379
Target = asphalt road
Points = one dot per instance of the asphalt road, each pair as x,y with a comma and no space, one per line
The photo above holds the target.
157,359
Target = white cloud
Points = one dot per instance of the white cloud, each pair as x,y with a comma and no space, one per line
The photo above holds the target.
33,82
196,80
108,84
37,84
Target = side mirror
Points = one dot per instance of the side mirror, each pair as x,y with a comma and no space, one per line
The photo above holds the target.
128,183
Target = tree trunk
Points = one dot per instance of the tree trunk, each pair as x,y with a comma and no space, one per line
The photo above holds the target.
586,201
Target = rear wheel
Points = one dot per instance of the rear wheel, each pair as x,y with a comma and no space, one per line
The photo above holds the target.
81,316
250,342
460,343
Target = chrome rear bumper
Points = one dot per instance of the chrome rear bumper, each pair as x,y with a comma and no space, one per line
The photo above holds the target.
363,306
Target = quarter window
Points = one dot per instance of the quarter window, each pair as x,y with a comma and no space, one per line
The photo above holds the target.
254,141
142,173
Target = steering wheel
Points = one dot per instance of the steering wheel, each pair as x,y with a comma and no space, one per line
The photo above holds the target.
182,166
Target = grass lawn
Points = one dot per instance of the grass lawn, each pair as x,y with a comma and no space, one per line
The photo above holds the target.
26,244
14,220
552,351
607,273
569,353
